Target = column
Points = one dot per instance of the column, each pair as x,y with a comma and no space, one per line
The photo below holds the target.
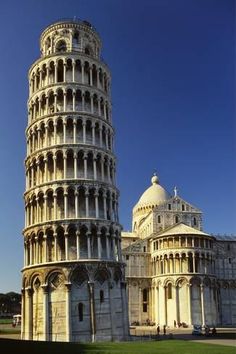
45,248
88,244
64,166
139,304
84,132
45,312
96,204
55,73
100,136
64,101
55,102
77,244
95,168
93,134
55,133
23,313
86,204
76,204
55,206
82,72
45,170
75,165
68,312
194,264
64,72
66,246
29,324
189,304
114,245
91,75
55,246
102,168
64,132
83,105
108,245
202,304
85,165
54,167
74,126
92,311
73,71
65,204
45,216
91,104
99,245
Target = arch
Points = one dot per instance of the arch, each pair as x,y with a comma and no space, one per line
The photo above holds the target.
61,46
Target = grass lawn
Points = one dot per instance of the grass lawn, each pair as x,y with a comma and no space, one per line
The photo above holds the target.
154,347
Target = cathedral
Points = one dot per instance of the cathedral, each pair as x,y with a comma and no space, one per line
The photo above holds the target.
176,274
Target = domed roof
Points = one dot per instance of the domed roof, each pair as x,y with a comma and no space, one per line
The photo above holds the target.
154,195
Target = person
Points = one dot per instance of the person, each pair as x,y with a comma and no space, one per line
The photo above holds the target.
164,329
207,330
158,330
213,331
174,323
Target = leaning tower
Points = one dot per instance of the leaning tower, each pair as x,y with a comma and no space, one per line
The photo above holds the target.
73,277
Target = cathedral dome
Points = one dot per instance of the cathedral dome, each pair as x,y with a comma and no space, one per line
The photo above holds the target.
154,195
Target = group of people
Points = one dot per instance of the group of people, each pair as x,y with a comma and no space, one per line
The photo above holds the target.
158,330
208,331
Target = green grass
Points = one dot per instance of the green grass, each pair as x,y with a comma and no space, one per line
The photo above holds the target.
154,347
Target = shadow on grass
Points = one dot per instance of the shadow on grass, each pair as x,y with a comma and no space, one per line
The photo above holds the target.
38,347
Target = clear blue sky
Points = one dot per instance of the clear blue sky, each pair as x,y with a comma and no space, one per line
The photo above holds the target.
173,90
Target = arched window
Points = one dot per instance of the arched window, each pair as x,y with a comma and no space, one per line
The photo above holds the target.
101,296
87,51
61,46
169,291
81,311
194,221
159,219
176,219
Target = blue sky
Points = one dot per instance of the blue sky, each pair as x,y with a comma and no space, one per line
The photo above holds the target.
173,93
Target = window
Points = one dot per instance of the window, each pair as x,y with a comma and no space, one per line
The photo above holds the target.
194,221
145,293
169,206
183,207
159,219
228,247
127,257
144,248
101,296
176,219
229,260
81,312
145,300
169,291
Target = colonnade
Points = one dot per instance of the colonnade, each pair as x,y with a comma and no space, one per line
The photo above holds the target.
71,243
184,262
71,203
69,69
68,130
181,241
69,99
69,164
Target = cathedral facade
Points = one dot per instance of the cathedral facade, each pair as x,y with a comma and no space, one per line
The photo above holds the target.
176,273
73,285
